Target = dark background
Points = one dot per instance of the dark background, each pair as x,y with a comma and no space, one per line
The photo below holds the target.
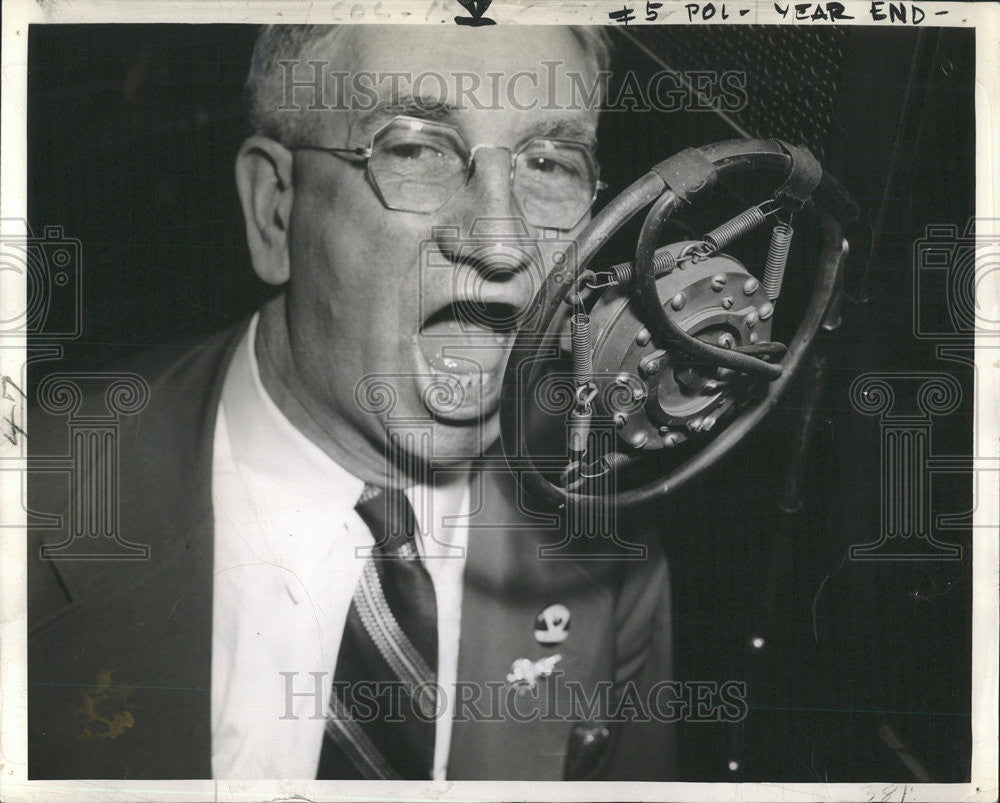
132,131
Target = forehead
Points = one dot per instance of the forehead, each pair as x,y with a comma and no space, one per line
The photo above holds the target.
505,49
488,81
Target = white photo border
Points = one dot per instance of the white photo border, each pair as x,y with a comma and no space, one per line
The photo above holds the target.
14,785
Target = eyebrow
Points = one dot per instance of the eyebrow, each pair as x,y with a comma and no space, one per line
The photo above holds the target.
576,129
422,108
570,128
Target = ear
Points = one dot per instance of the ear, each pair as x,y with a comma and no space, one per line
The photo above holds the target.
264,183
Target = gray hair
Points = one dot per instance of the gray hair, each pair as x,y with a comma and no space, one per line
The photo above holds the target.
265,85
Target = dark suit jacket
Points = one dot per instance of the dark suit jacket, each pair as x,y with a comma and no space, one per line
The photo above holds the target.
120,650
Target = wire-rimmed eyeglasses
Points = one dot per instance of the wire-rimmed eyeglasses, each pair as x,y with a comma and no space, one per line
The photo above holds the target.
419,165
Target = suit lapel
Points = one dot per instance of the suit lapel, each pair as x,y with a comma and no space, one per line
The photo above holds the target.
136,702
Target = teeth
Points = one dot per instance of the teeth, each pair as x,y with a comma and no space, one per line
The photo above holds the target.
466,378
472,364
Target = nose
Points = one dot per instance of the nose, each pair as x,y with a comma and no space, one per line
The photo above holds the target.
493,261
494,253
490,192
487,217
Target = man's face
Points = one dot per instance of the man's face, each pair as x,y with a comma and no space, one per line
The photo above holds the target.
380,298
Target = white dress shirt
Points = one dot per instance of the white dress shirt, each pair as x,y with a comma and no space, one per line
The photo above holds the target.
285,570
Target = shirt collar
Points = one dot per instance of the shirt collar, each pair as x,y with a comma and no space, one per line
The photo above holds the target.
266,442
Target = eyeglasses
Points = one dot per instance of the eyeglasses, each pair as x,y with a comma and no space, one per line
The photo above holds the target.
419,165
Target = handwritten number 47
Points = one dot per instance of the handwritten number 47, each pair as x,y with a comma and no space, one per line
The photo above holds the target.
12,429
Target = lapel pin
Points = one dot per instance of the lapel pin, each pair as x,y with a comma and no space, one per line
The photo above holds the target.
524,673
552,625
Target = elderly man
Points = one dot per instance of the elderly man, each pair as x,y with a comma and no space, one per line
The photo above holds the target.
337,586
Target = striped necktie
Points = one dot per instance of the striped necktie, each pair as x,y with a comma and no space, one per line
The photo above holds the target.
381,719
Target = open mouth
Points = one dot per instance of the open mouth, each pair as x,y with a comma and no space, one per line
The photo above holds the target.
463,349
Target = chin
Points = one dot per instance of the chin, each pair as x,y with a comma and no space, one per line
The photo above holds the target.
454,445
427,432
443,445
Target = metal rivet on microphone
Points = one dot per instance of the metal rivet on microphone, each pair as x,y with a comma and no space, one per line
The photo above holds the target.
718,282
750,286
642,337
752,318
766,310
650,365
671,439
727,302
678,301
638,440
